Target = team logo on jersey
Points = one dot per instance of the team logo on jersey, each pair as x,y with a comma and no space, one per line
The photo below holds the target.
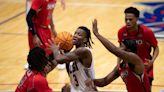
124,74
50,6
139,42
153,17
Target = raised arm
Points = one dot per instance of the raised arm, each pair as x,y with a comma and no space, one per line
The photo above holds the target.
126,56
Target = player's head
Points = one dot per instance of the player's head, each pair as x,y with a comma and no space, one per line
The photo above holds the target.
131,16
82,36
130,45
37,59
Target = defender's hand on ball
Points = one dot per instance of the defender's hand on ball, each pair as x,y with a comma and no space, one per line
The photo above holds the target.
55,48
52,45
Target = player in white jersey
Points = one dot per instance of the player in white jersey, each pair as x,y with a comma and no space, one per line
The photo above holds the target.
78,74
79,62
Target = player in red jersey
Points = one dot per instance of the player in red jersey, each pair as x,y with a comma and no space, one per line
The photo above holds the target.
40,22
131,69
144,38
34,79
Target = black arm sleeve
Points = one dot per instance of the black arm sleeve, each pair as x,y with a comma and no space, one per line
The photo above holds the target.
29,21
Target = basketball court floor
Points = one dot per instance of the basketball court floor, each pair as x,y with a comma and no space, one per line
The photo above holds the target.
110,16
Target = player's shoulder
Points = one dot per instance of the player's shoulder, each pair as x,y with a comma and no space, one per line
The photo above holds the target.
145,28
39,78
83,52
122,29
83,49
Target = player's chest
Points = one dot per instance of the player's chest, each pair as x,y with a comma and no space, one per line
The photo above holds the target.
49,5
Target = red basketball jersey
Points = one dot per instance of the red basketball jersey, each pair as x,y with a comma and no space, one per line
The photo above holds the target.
44,10
33,81
145,39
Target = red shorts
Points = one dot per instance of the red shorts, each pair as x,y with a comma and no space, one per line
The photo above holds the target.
150,72
44,34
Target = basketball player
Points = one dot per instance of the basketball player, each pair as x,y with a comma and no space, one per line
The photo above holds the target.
79,62
144,38
131,69
34,79
40,22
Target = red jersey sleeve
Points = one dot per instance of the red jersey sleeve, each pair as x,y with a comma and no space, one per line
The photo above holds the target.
150,37
120,34
41,84
36,4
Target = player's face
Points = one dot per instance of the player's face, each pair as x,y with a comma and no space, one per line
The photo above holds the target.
79,36
130,20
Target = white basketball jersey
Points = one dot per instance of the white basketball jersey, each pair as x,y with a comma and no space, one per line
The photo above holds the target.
78,74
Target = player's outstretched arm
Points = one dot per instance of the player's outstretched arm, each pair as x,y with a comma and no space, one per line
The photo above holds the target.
103,81
108,79
126,56
79,53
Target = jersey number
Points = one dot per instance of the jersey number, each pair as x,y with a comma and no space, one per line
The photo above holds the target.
76,81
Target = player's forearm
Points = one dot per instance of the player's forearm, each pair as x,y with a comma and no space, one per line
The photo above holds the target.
53,27
30,22
99,82
155,53
52,24
66,58
108,79
108,45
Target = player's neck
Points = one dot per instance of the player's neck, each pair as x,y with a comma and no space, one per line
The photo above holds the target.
135,28
44,73
81,45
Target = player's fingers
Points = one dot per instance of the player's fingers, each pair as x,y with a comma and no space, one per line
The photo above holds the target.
62,51
50,42
47,44
58,44
40,43
37,44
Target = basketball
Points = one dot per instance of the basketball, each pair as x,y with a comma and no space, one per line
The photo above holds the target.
64,39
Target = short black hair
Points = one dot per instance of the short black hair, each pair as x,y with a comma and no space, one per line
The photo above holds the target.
37,59
132,10
88,36
131,44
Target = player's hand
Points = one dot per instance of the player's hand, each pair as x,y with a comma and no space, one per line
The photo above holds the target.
36,41
148,64
94,27
89,83
66,88
52,45
54,48
63,4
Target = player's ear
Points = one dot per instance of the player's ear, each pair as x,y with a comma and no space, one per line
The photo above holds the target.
85,40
